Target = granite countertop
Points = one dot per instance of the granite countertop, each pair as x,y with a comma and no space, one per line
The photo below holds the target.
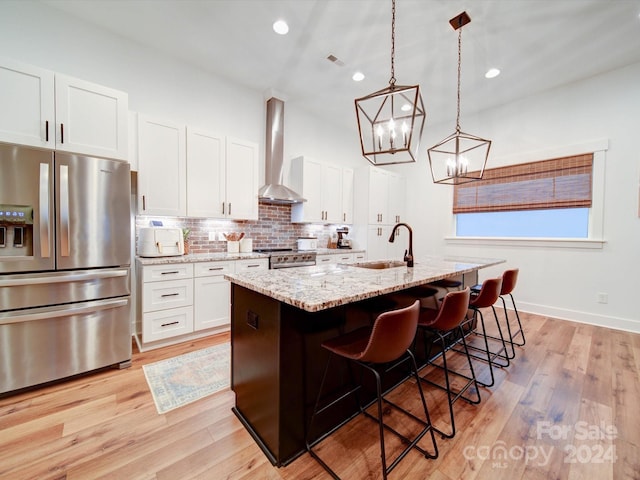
199,257
322,287
222,256
338,251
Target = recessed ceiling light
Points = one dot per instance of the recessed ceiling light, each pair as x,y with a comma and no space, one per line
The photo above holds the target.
281,27
492,73
358,77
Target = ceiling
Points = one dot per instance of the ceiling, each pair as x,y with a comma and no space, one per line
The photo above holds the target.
537,45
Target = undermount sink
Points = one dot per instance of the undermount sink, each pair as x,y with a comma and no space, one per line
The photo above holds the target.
380,264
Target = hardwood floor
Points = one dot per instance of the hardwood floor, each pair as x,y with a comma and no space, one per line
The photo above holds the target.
566,408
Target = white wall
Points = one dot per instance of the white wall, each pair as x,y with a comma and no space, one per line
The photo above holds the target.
561,282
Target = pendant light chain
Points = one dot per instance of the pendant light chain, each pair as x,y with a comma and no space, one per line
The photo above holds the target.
459,71
392,80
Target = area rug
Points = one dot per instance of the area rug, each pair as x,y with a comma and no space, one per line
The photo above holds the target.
181,380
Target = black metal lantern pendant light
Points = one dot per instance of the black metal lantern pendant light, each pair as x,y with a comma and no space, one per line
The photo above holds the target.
461,157
390,121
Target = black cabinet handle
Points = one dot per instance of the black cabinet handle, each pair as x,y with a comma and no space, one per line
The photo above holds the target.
169,295
173,272
62,133
169,324
46,131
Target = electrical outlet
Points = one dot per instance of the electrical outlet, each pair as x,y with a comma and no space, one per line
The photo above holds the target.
212,236
603,297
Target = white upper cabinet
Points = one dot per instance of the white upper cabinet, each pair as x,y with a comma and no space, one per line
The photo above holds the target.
162,182
397,199
323,185
380,197
44,109
222,176
306,175
242,171
27,99
205,174
90,118
347,195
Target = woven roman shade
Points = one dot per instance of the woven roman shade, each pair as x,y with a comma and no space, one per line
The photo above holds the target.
557,183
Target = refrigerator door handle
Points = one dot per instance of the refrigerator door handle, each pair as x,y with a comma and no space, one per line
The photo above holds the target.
64,311
64,211
9,281
44,210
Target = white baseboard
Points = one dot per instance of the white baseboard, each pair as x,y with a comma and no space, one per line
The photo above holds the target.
616,323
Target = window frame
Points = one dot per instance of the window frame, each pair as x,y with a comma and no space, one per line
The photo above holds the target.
595,238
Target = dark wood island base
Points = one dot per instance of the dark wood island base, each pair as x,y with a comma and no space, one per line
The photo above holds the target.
277,361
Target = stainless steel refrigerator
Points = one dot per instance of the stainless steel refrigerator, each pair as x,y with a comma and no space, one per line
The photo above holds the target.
65,257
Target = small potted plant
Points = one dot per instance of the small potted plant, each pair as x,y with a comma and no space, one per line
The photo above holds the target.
185,236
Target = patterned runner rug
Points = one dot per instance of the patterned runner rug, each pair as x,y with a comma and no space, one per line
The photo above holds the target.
180,380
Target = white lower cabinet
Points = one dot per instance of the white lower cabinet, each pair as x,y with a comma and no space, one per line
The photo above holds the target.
379,247
183,301
212,295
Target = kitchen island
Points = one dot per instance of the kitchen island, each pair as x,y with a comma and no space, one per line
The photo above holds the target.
281,317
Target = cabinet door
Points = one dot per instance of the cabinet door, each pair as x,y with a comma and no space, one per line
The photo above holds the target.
397,199
212,302
347,195
205,174
242,179
377,242
26,96
306,179
162,181
331,193
90,119
378,196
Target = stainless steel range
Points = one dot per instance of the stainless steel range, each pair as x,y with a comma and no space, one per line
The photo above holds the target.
288,257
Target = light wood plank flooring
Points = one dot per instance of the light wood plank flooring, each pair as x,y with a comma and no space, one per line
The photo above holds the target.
568,407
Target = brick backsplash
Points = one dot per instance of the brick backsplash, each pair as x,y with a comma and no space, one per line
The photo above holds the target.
273,229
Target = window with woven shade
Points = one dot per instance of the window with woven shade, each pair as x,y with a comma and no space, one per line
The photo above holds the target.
548,198
549,184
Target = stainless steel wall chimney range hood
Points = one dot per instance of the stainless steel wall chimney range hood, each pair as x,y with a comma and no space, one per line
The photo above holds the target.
274,191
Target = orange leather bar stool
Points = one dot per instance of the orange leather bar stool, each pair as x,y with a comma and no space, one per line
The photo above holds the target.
485,298
386,342
509,280
446,324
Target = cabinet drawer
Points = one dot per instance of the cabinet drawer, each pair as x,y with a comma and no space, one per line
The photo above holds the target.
334,258
344,258
324,259
169,294
167,323
359,257
252,264
208,269
173,271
